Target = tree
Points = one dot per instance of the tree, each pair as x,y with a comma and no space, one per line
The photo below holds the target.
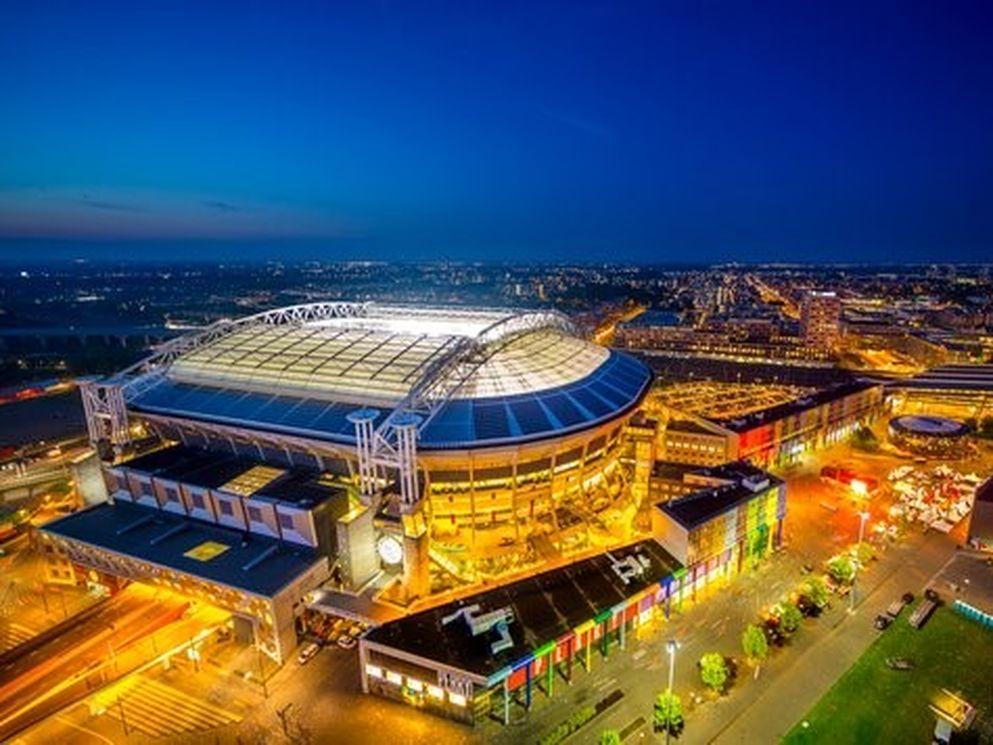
760,542
864,553
754,644
865,439
714,671
610,737
816,591
841,569
668,714
790,617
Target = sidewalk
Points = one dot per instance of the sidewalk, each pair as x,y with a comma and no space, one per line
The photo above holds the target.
793,690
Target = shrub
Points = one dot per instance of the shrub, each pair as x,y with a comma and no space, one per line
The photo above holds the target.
668,713
841,569
816,591
714,671
754,644
789,617
570,725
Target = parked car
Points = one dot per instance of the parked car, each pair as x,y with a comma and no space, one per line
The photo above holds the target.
308,652
882,621
346,642
931,595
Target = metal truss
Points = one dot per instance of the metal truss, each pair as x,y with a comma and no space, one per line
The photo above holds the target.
393,443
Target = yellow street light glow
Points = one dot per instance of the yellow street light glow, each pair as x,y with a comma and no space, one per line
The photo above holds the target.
859,488
436,692
456,698
374,671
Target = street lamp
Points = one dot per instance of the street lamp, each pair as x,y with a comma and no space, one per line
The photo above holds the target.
863,518
670,646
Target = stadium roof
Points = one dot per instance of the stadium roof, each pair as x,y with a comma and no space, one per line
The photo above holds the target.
495,376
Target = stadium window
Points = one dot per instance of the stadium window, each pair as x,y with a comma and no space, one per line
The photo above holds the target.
198,501
285,521
254,514
226,509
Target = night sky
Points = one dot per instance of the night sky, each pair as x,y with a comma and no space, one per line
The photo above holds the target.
662,132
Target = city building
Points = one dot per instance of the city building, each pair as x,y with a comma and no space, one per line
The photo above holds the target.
480,656
981,518
242,535
820,319
701,430
440,436
714,520
963,391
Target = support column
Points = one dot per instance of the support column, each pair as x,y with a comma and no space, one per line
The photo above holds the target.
527,683
363,420
572,653
550,662
506,701
623,625
405,424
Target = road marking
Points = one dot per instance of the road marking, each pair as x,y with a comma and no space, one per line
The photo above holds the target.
632,727
84,729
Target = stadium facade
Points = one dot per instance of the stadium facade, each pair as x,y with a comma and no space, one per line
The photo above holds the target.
344,439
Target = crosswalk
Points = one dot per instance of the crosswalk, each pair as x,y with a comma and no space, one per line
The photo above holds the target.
156,709
13,634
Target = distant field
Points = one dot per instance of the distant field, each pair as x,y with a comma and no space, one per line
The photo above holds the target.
873,704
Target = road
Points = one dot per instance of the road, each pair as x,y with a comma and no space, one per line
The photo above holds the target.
49,677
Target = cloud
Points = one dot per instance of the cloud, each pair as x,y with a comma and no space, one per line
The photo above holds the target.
216,204
118,213
102,204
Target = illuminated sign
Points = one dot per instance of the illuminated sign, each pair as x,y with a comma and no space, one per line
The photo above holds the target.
390,550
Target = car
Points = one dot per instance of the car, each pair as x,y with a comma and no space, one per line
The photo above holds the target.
308,653
882,621
931,595
346,642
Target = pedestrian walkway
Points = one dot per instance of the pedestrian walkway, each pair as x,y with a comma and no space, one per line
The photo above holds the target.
157,709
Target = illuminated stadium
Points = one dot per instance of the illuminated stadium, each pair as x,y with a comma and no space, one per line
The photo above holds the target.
457,434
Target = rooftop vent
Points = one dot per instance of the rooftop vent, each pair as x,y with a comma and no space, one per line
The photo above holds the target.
755,483
482,623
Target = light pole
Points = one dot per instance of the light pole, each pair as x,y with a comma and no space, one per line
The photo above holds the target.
863,518
670,646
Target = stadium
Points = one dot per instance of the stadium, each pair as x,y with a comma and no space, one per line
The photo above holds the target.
430,445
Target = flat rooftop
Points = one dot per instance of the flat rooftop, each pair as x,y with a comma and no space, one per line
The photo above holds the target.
253,563
709,501
211,469
805,402
544,608
977,378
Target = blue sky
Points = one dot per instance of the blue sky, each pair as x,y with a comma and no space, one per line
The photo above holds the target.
643,132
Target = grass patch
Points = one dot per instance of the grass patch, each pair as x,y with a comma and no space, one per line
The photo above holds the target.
873,704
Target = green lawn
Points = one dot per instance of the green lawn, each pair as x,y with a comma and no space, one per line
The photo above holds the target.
873,704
